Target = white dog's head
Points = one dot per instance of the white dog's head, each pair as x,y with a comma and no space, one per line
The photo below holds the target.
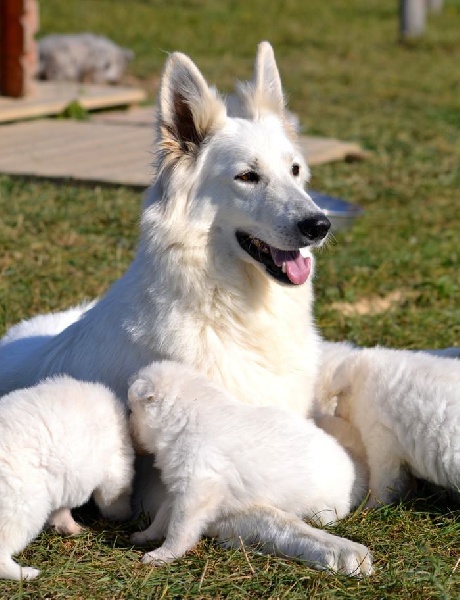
241,169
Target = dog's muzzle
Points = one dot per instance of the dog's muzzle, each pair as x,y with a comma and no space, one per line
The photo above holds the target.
291,267
314,229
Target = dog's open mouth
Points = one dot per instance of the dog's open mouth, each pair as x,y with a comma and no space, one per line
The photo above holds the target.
286,266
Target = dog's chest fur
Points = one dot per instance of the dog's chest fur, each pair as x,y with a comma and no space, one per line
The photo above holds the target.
257,339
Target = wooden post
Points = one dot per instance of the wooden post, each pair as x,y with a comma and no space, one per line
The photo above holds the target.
412,18
18,50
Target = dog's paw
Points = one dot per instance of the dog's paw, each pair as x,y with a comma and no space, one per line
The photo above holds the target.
29,573
63,523
76,529
350,559
158,557
71,529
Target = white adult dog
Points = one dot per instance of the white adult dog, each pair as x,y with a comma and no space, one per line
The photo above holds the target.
242,472
60,441
406,406
222,277
218,281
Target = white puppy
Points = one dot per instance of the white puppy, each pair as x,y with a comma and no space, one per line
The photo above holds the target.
406,406
60,441
234,471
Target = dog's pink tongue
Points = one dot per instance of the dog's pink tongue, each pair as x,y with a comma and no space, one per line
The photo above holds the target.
297,267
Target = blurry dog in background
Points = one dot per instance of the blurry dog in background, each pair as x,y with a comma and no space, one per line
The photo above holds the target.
81,57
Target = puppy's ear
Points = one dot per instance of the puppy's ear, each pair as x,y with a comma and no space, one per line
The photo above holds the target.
189,110
141,390
341,379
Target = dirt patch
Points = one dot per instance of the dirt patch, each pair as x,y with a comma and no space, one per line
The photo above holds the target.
374,305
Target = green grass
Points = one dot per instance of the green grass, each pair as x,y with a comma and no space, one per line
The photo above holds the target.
347,76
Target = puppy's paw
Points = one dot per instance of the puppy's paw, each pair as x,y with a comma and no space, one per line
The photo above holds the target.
71,529
29,573
350,559
64,524
158,557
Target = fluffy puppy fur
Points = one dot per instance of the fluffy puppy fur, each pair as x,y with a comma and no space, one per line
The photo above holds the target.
406,406
60,441
233,470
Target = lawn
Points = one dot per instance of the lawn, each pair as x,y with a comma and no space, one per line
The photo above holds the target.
392,279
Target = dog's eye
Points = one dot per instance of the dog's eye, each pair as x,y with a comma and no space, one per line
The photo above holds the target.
295,169
248,177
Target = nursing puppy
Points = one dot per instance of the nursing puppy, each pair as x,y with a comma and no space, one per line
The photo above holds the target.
406,406
60,441
238,471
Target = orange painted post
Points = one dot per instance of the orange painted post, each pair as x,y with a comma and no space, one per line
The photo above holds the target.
18,50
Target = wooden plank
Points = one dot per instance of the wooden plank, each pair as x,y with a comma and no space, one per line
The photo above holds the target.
52,97
141,116
112,153
317,150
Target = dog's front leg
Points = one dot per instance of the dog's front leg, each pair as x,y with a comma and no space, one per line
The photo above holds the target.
189,518
158,528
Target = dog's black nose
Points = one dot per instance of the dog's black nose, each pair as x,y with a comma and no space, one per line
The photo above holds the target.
315,228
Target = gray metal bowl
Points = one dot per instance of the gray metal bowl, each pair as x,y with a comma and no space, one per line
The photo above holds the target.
340,213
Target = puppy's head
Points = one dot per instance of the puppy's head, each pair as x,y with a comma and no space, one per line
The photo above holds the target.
141,392
152,384
148,391
141,401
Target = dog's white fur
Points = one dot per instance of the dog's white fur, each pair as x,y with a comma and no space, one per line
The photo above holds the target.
192,293
406,406
60,441
222,460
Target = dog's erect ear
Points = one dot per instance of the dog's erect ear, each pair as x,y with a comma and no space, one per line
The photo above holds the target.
189,110
264,94
268,90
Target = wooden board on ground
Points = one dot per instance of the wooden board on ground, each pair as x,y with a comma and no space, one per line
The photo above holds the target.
66,149
96,151
317,150
52,97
